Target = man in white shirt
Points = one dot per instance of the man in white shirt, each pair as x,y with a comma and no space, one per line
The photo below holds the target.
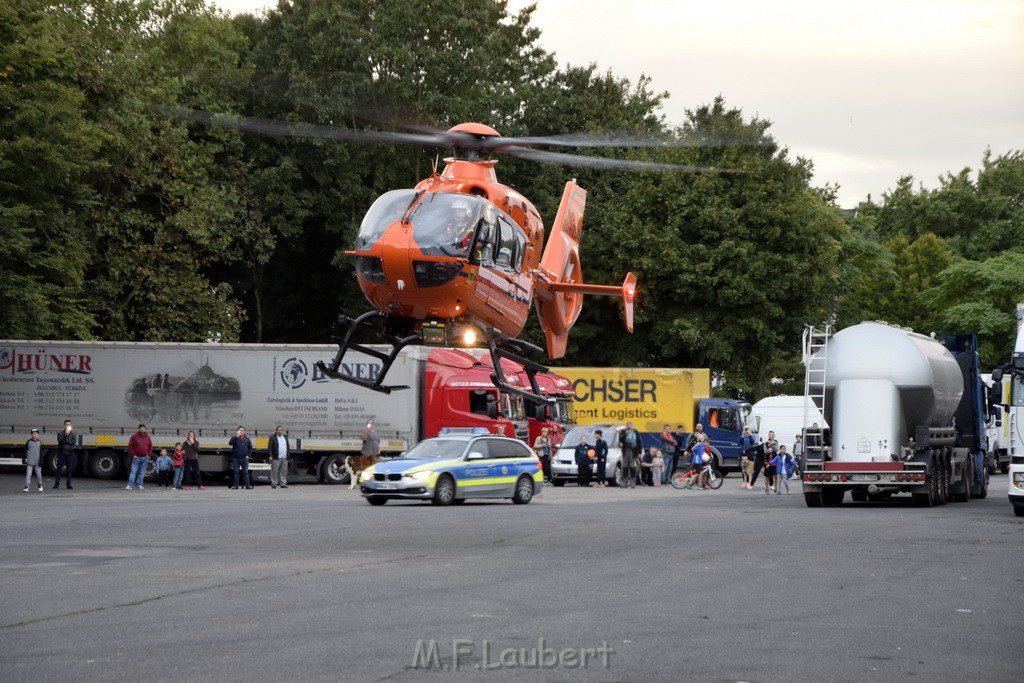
278,446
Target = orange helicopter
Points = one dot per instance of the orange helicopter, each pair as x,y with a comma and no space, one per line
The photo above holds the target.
459,259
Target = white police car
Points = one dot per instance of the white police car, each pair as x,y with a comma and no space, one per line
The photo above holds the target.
454,467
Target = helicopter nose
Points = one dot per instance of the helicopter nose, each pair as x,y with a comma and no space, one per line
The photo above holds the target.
395,246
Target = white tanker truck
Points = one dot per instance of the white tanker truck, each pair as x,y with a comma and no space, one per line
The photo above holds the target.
907,415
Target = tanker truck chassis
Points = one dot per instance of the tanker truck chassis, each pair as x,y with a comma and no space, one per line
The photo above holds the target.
907,415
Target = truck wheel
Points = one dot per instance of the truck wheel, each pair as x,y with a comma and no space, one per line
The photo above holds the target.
49,461
616,479
1018,510
150,475
376,500
943,483
333,470
981,490
558,483
962,491
858,495
813,500
444,491
105,464
1004,468
524,491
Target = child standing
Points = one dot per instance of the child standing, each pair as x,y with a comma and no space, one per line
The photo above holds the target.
33,449
785,470
178,459
657,466
164,466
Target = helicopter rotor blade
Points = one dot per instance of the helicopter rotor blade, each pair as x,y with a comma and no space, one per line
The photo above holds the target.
295,129
580,160
458,140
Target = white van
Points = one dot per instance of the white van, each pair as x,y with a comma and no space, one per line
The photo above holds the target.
784,415
563,462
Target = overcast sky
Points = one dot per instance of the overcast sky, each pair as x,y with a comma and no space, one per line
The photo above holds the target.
870,90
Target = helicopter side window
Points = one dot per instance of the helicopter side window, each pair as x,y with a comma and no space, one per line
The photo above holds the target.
506,245
483,251
519,251
388,208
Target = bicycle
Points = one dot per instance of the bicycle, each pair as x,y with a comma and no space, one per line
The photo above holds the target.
713,478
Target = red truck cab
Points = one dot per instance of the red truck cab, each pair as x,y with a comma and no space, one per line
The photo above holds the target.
458,392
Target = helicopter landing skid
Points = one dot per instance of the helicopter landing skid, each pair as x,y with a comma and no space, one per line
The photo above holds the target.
387,359
514,350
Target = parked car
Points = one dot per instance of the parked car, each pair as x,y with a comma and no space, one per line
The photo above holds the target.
563,464
455,467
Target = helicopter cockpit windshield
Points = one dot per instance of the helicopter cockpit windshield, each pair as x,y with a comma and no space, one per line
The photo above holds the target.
388,208
444,223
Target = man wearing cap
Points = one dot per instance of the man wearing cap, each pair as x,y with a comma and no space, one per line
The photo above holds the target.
66,442
33,452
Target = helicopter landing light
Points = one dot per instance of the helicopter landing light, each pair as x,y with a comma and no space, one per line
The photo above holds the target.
468,336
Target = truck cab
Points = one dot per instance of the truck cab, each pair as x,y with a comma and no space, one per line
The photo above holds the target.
557,414
723,420
460,393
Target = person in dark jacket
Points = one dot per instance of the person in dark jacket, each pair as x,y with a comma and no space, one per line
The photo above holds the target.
66,442
632,445
583,451
192,474
241,449
747,443
601,455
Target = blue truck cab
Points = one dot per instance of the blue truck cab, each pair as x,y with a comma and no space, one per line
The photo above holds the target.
723,420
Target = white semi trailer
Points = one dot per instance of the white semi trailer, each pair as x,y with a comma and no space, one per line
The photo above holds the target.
107,388
906,413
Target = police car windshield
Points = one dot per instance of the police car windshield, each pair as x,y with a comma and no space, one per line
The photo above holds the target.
437,449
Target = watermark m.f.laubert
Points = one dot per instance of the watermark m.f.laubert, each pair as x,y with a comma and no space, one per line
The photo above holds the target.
484,655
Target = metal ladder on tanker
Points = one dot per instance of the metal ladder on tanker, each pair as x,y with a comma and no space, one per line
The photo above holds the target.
815,346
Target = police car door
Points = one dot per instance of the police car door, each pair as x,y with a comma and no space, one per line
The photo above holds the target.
477,474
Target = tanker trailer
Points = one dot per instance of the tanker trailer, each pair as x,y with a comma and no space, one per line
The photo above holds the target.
906,414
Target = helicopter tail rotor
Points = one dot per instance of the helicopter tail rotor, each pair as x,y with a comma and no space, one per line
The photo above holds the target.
559,283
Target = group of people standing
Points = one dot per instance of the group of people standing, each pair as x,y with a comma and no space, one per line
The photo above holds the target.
176,470
67,440
771,458
676,451
172,471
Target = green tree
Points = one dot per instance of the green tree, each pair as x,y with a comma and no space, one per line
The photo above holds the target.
167,210
980,297
48,151
978,216
891,291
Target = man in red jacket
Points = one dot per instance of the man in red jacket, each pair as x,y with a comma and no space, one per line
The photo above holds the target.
140,447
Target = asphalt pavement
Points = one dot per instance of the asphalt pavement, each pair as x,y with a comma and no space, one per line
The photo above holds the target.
313,584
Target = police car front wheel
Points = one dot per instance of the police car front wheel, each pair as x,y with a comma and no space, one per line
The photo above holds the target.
523,492
444,492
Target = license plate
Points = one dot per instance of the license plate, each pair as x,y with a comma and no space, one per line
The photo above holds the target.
387,486
863,477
